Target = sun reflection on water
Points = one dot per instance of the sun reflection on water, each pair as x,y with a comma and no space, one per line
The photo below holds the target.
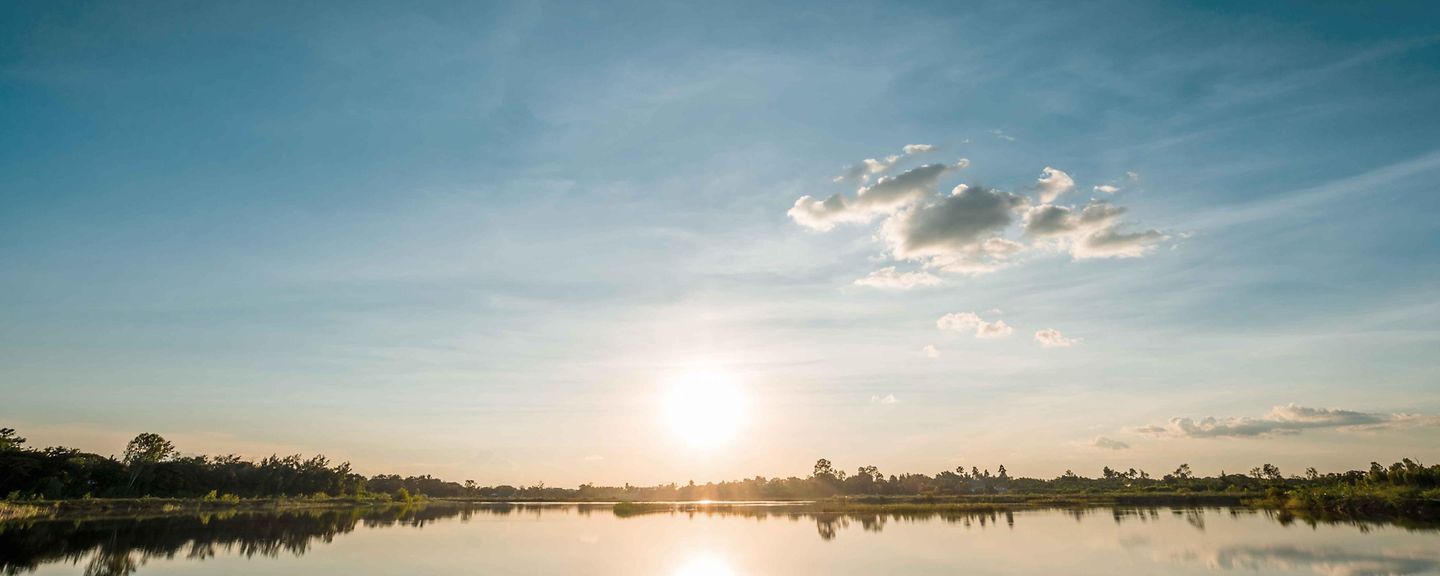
704,565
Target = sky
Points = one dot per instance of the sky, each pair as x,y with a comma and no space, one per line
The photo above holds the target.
487,241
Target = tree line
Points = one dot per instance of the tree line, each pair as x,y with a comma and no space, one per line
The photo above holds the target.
152,466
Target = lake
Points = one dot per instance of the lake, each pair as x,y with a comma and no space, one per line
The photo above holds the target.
592,539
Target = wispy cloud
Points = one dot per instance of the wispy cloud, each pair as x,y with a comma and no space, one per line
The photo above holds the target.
1357,186
874,167
1109,444
887,399
972,322
889,278
1287,419
1052,338
1324,561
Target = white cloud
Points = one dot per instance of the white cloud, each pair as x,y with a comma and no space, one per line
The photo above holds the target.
887,399
982,258
970,321
1110,243
1107,189
972,229
1002,135
867,168
1108,444
1049,220
931,351
871,167
886,195
959,233
1052,338
823,215
1052,183
889,278
1091,233
1287,419
907,188
1405,420
993,330
958,321
1053,220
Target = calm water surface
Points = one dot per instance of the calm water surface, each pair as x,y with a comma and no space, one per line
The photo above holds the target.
591,539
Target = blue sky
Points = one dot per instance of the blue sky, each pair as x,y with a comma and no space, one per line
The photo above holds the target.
477,240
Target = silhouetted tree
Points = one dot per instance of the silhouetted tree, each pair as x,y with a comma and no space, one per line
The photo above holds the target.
9,441
823,469
145,450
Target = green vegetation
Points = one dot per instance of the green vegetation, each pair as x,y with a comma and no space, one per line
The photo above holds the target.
153,467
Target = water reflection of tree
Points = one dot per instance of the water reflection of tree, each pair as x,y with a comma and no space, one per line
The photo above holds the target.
829,525
115,547
1195,517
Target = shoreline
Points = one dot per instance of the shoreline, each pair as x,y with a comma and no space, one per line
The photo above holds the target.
1360,508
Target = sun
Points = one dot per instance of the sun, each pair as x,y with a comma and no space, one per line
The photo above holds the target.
704,409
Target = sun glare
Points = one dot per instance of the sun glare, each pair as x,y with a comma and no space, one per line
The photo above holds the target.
704,410
704,566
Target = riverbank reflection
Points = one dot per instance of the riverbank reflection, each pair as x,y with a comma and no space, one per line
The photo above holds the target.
1237,540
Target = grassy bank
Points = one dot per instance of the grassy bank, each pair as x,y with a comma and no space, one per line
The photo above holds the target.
1327,504
1360,501
979,503
125,507
1337,502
